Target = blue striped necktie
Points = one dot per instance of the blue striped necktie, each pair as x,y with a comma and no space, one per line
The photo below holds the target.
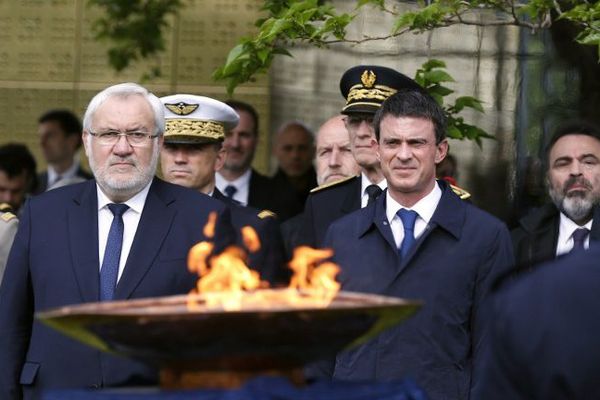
112,254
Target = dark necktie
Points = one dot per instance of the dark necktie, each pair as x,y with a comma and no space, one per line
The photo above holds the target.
373,191
112,253
579,237
230,191
408,218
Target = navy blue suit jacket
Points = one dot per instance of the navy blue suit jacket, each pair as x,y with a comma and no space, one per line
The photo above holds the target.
544,333
54,262
450,268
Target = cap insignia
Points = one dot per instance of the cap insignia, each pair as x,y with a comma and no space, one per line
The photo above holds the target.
368,78
182,108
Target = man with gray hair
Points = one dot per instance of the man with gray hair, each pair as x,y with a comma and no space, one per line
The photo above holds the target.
124,235
573,177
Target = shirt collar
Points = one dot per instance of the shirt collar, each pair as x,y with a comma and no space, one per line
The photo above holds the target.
569,226
424,207
136,203
69,173
364,182
244,179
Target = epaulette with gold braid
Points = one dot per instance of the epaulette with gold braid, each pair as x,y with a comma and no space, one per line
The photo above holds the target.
7,216
266,214
462,193
330,184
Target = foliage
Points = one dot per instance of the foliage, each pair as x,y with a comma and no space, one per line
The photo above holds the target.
134,28
431,76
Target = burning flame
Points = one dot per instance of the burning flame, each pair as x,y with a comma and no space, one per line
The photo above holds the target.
227,282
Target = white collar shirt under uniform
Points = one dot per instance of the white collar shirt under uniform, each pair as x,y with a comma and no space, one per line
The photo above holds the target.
566,228
364,183
131,220
68,174
242,184
424,207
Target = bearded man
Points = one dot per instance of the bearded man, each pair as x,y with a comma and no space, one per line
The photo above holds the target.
573,179
123,235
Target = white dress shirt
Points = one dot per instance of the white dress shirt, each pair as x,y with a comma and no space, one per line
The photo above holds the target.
566,228
242,184
364,183
131,219
424,207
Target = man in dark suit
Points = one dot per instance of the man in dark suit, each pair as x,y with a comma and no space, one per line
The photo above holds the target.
192,152
238,180
419,240
572,162
543,333
60,139
364,87
294,149
125,235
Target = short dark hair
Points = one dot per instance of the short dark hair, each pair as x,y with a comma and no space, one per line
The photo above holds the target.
574,127
69,123
16,158
414,103
241,106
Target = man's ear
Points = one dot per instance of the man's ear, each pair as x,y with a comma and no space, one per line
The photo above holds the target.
84,139
375,146
220,160
441,151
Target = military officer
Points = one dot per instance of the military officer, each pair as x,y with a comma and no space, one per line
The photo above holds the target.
8,229
192,152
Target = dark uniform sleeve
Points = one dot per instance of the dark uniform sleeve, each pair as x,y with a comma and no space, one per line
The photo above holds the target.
16,311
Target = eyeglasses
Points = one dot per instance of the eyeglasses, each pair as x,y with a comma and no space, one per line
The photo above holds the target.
110,138
354,121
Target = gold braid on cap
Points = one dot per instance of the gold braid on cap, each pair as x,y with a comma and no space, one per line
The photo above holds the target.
194,128
378,92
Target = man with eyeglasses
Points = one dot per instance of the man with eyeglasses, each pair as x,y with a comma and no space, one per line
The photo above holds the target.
364,87
124,235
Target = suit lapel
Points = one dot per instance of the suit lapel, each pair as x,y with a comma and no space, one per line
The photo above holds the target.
154,224
82,222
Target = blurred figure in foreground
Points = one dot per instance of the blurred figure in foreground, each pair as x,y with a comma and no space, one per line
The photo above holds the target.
544,329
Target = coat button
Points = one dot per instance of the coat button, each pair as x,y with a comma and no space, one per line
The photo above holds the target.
95,386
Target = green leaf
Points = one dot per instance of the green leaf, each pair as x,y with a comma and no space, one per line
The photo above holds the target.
453,132
235,53
437,76
441,90
433,63
468,101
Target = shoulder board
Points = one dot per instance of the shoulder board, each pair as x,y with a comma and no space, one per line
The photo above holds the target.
266,214
5,207
7,216
330,184
462,193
